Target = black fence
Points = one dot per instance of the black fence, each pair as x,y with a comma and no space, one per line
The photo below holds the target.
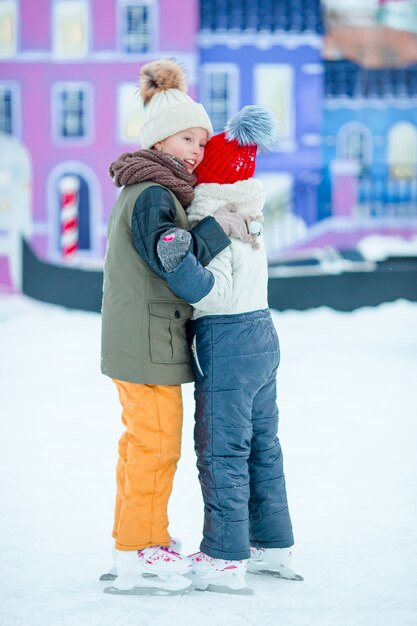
289,288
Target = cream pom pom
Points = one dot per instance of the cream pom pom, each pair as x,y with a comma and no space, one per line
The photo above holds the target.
159,76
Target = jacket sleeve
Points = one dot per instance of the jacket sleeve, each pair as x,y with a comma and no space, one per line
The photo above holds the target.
189,282
154,213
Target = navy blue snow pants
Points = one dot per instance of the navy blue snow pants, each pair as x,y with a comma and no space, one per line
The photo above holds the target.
239,458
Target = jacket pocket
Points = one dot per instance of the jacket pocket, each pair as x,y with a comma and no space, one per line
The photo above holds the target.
199,372
167,331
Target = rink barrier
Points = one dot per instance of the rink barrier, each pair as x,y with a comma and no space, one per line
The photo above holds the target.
347,287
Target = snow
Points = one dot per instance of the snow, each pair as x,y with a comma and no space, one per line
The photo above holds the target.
380,247
349,433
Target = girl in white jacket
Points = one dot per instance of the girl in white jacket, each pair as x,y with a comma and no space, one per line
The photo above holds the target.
235,350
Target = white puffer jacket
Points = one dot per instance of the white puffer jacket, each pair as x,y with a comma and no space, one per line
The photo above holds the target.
240,271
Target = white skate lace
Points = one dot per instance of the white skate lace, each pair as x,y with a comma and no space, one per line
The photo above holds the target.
155,554
259,553
256,553
220,564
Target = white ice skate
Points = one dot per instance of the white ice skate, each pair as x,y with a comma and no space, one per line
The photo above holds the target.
275,562
175,544
152,571
209,574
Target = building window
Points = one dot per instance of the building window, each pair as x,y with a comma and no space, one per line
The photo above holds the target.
6,111
402,150
354,142
220,93
130,114
136,27
72,106
8,29
70,29
274,88
354,147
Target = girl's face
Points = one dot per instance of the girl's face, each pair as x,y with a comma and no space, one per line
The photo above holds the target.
187,145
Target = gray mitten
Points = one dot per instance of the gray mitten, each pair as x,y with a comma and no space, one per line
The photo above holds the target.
172,247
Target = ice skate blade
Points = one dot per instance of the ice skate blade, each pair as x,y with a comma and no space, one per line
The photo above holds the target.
274,574
243,591
147,591
147,584
108,576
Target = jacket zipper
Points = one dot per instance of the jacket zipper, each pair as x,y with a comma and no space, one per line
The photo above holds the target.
194,351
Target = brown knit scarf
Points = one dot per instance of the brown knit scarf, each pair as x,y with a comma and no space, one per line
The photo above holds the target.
136,167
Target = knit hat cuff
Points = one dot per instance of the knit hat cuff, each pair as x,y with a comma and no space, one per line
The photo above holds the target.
173,120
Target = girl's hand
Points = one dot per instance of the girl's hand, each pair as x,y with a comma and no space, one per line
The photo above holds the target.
247,228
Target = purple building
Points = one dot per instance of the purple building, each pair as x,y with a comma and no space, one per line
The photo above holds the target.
269,52
68,107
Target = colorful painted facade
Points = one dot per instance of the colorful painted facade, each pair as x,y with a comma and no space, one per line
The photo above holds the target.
370,120
268,53
68,79
345,165
369,143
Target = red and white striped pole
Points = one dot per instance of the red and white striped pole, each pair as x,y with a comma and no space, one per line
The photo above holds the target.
69,188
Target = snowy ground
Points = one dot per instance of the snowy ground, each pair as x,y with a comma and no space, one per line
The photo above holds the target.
347,390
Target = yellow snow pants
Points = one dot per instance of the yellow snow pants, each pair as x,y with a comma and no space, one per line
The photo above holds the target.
149,450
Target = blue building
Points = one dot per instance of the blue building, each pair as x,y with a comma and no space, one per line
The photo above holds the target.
370,121
268,52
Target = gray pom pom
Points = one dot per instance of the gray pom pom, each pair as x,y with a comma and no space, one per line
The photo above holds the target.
253,126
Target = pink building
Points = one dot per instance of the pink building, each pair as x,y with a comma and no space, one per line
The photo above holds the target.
68,108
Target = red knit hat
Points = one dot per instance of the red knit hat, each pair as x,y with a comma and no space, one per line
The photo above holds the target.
231,155
225,161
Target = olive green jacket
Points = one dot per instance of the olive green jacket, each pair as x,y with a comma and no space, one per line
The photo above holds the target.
143,321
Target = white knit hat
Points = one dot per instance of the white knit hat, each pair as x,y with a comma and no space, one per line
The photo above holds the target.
168,109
